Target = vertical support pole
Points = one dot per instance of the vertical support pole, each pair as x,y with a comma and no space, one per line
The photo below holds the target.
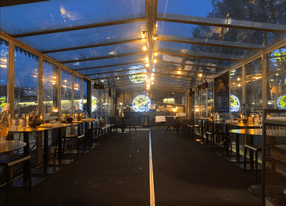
195,93
207,96
40,89
229,92
81,95
72,94
89,89
59,91
243,84
264,81
11,78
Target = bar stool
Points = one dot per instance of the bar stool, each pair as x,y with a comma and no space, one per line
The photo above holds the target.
79,136
9,165
255,148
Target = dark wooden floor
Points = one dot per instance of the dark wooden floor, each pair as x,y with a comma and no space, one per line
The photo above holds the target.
116,172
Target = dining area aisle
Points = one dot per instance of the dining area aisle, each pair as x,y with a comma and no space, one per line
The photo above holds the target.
116,172
186,173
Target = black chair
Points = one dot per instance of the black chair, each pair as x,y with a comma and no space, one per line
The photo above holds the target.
190,128
198,125
79,136
172,123
117,123
214,134
254,148
8,164
131,122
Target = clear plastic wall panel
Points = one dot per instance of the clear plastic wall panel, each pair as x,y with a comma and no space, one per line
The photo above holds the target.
66,92
105,62
126,68
50,88
85,37
253,87
84,96
95,102
4,48
221,88
230,10
54,14
210,100
235,99
276,79
26,83
201,49
220,33
77,94
98,51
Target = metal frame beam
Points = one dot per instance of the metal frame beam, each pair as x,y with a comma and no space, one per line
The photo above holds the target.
196,65
229,23
179,75
199,56
93,46
113,65
207,42
74,28
104,57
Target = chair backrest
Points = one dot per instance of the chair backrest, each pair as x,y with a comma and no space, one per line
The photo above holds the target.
112,120
170,120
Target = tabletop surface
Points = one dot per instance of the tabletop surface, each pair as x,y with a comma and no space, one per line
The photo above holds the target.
11,145
238,124
27,129
247,131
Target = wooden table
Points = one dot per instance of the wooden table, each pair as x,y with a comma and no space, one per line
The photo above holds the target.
250,132
11,146
254,189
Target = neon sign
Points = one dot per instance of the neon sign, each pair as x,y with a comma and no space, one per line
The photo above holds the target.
234,103
281,102
141,103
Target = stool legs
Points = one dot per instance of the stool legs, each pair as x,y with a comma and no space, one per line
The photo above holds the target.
256,165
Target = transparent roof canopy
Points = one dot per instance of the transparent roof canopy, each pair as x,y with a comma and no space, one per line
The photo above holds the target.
195,40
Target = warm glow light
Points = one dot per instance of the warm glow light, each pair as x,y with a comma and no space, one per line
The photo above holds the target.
144,48
155,38
152,82
152,74
197,110
146,59
65,80
3,66
5,60
54,77
239,85
147,65
233,83
64,86
156,24
155,61
277,74
179,72
238,79
175,109
200,75
156,54
35,76
152,78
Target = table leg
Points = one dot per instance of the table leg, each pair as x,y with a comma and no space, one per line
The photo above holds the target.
46,149
86,133
92,134
237,147
60,145
26,153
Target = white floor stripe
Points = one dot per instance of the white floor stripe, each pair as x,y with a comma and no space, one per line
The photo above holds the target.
151,178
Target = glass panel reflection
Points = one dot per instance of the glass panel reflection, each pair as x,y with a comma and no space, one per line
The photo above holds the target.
26,83
276,79
84,95
253,87
85,37
4,48
56,14
50,87
78,104
235,92
66,92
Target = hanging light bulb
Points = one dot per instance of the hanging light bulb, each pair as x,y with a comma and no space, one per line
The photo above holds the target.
156,54
144,48
155,61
